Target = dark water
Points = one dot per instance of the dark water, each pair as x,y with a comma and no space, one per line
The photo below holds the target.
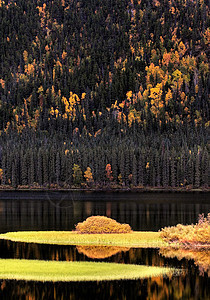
144,211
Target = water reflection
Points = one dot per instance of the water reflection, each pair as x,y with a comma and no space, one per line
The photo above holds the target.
200,258
100,252
181,287
61,211
139,256
146,211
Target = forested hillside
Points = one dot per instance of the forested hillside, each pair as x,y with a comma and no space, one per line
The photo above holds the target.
97,93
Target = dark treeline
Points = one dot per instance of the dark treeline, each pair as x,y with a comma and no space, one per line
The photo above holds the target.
104,92
138,160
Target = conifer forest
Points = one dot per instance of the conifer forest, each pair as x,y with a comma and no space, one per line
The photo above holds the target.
111,93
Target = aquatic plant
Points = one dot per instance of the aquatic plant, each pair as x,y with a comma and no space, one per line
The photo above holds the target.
102,224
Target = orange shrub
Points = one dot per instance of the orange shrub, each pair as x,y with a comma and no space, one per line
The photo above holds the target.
197,235
101,224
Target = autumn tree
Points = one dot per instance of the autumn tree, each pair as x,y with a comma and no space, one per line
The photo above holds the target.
88,175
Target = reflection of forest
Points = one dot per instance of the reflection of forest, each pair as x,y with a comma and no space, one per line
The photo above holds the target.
178,287
144,211
100,252
201,258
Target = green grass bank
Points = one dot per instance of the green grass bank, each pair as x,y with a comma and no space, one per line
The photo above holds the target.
133,239
37,270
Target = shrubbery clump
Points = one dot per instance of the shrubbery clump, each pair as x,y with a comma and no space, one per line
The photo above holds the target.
189,235
101,224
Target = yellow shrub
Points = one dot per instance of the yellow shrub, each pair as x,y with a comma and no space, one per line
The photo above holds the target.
101,224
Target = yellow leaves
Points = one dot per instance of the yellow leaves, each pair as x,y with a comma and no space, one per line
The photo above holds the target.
207,124
64,54
16,118
7,127
52,112
2,82
177,79
147,165
166,58
133,116
29,69
168,97
25,56
115,106
206,36
175,58
66,151
1,174
172,10
122,104
132,49
129,94
83,96
145,94
56,112
40,89
88,175
177,75
58,64
181,49
154,74
196,89
186,110
156,93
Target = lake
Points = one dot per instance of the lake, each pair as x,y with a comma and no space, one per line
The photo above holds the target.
143,211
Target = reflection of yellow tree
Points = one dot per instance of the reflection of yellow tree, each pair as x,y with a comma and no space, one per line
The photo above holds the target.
201,258
100,252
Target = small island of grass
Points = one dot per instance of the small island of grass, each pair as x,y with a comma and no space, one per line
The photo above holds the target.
37,270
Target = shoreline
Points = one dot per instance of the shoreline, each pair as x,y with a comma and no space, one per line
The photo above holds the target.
107,189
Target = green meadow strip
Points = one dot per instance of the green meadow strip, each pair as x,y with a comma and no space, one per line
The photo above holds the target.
37,270
133,239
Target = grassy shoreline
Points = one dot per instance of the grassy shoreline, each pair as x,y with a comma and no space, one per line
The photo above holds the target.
143,239
37,270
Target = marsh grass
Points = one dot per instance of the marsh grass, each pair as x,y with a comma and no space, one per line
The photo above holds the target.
37,270
141,239
189,236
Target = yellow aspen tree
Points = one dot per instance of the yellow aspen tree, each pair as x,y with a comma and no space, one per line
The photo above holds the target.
88,175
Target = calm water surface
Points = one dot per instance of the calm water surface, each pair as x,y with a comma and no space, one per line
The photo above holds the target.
143,211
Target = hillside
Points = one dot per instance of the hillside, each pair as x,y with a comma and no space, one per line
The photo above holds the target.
118,86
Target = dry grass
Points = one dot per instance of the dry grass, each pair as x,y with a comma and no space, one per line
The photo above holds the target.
38,270
189,236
